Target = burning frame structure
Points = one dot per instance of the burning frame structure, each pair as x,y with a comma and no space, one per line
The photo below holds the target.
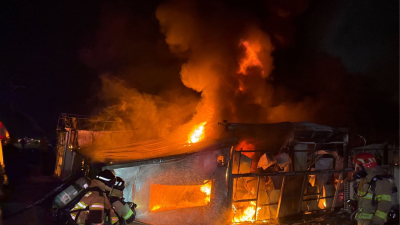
257,173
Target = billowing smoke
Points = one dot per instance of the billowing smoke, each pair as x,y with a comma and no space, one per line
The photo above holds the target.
207,61
225,55
228,59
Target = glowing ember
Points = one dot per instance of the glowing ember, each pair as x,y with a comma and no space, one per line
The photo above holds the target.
248,214
197,134
250,60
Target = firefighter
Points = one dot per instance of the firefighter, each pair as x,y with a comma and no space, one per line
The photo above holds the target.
94,207
373,193
125,212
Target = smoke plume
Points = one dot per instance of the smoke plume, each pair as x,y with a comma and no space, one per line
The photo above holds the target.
206,61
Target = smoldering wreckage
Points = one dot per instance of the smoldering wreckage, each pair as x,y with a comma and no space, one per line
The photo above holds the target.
256,173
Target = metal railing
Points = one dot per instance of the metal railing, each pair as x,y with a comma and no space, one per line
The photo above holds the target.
302,178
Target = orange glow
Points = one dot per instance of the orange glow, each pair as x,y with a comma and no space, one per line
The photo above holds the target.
206,189
155,207
244,145
322,204
197,134
247,213
170,197
250,59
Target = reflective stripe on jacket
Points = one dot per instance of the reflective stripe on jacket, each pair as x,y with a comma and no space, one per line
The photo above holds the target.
124,211
93,201
383,189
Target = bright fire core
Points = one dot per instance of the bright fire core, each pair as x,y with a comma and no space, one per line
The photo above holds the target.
171,197
197,134
245,214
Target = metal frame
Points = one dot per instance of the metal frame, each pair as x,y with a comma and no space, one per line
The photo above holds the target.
284,174
98,123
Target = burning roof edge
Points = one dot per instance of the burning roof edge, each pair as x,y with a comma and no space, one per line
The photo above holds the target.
193,149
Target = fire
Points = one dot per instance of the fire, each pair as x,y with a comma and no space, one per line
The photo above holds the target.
244,145
171,197
155,207
206,189
250,59
197,134
248,214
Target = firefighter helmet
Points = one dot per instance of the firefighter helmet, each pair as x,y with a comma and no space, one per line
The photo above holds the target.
107,177
119,184
366,159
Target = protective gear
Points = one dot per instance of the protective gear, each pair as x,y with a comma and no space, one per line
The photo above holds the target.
360,172
366,159
94,206
70,193
107,177
119,184
373,196
124,212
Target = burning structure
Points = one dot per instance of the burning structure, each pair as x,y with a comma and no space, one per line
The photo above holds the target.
256,173
181,167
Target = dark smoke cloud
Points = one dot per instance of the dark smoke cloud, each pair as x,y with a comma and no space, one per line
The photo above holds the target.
181,67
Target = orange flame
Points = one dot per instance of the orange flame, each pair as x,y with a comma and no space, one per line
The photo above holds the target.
251,58
164,197
197,134
206,189
244,145
155,207
248,214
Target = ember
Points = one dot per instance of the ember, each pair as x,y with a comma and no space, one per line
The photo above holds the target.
197,134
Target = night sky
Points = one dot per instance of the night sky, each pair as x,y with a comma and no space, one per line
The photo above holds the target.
57,50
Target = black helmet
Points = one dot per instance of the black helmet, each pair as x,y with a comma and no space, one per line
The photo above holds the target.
107,177
119,184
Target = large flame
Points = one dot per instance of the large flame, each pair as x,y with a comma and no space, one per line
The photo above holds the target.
246,215
197,134
171,197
